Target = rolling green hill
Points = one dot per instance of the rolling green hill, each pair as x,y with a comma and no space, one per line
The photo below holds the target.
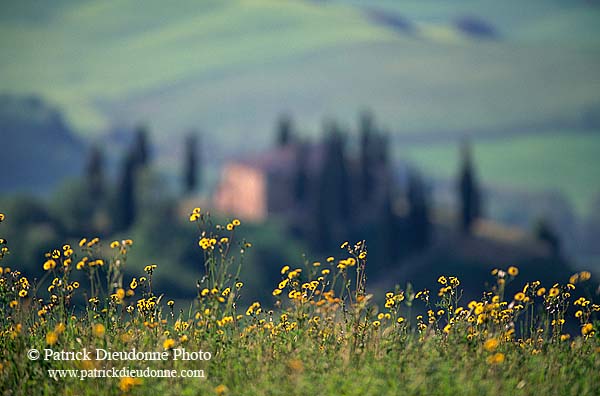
229,67
37,149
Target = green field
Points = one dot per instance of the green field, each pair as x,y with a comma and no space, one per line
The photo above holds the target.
541,21
232,66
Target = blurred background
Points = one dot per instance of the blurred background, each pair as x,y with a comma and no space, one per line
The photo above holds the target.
453,136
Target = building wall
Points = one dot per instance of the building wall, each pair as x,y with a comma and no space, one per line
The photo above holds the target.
242,192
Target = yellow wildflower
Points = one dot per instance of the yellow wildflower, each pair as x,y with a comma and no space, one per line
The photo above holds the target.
127,383
168,343
51,338
491,344
496,358
98,330
221,390
520,296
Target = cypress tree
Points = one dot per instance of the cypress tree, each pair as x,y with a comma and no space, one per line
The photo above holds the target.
284,131
389,229
191,163
366,156
301,179
545,233
332,199
418,216
125,202
468,189
141,147
335,183
94,174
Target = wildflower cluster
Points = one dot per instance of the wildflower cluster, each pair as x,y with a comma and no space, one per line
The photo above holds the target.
317,309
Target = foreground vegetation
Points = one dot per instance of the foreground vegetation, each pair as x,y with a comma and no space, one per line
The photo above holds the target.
321,334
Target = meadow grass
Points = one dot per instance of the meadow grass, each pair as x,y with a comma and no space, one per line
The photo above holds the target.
321,334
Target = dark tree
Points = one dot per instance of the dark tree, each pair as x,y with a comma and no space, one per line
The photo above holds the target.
141,147
301,180
94,174
545,233
334,180
381,149
332,203
389,228
468,189
418,215
191,163
367,156
125,201
284,131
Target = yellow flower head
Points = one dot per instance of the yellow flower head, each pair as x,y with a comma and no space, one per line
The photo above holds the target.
98,330
295,365
491,344
127,383
49,264
496,358
60,327
513,271
51,338
584,276
221,390
520,296
168,343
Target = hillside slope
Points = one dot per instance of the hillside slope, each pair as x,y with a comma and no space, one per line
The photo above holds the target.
231,66
37,149
228,68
